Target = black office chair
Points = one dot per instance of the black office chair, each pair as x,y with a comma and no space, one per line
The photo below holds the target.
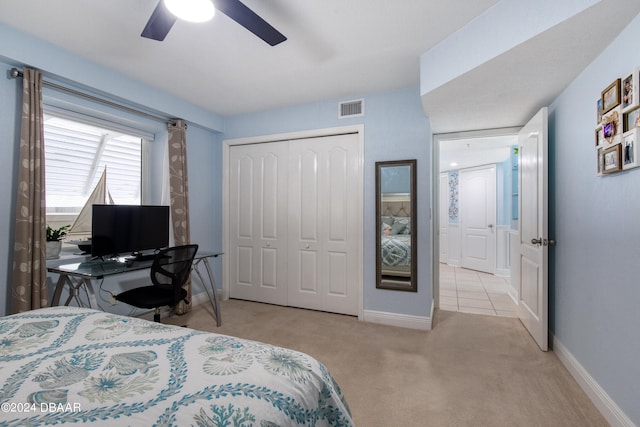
170,270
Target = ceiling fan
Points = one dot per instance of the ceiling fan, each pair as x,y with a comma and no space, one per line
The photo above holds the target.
162,20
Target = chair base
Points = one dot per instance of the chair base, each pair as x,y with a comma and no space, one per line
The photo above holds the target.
151,297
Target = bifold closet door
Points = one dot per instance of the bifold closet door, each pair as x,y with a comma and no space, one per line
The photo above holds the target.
324,224
258,222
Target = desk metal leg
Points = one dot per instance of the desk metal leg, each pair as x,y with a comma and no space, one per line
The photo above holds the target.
74,291
62,279
212,283
93,303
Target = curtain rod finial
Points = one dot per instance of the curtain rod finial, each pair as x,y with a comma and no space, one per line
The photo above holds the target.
14,72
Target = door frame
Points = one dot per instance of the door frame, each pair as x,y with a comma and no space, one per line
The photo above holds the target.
314,133
435,194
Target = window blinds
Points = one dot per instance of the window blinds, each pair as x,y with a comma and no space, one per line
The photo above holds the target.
77,153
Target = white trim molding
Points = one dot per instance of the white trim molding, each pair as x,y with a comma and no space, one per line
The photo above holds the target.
514,265
607,407
454,253
503,263
401,320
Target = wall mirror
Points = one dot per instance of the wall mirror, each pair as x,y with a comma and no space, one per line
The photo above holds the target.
396,232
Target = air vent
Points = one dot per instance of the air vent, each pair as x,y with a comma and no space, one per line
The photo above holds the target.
351,109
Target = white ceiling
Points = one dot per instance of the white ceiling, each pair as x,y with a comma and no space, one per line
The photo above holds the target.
511,88
469,152
335,50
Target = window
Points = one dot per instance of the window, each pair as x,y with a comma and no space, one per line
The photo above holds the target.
76,153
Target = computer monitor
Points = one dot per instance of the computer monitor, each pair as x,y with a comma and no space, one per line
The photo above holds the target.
128,229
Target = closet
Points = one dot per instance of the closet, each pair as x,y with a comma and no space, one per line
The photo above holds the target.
295,222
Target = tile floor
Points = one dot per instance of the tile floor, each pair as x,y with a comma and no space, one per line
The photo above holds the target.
472,291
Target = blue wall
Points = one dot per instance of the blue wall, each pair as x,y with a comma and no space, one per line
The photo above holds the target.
9,137
594,285
395,128
504,193
501,201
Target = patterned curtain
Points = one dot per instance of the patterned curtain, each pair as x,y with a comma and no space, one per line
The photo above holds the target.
179,193
29,289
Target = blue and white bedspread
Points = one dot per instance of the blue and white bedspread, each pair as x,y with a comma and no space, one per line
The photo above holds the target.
396,250
69,365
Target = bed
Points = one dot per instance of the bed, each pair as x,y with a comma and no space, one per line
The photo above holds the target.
395,245
396,255
70,365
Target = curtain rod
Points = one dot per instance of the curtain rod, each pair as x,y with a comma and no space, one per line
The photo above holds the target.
15,73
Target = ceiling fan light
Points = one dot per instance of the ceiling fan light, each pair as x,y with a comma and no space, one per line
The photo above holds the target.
191,10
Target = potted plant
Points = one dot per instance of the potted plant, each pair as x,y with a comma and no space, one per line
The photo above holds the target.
54,240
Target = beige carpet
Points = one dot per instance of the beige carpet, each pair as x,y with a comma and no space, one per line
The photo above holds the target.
470,370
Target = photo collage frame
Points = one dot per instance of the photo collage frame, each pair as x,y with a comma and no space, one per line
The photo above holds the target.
617,129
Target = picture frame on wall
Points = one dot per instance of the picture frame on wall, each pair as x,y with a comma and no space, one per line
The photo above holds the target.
630,90
609,129
630,149
599,137
599,111
612,159
612,125
599,160
631,119
611,97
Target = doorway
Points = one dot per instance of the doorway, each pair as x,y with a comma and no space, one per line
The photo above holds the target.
473,244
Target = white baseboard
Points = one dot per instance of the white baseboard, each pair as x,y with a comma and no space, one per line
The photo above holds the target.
401,320
607,407
200,298
513,293
503,272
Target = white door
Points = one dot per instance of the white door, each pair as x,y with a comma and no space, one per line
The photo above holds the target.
258,222
324,218
477,198
533,249
444,217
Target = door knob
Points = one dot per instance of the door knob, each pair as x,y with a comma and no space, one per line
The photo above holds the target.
536,241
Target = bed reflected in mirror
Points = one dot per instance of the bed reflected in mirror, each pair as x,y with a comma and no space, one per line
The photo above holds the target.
396,232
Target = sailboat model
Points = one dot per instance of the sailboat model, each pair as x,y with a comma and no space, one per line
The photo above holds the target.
81,228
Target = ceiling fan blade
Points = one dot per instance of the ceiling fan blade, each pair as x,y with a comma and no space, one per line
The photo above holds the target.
244,16
159,23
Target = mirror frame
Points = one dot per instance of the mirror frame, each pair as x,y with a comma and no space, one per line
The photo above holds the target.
412,285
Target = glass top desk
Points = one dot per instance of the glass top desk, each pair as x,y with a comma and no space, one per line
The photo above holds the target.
80,274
